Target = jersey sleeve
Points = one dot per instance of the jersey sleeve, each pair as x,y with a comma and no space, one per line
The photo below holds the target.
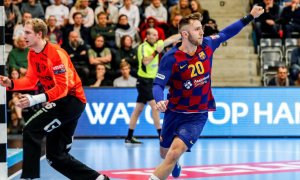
29,81
163,75
61,73
165,70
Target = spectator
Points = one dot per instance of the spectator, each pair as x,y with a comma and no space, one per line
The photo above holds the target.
12,17
266,22
35,9
127,53
16,116
104,29
78,52
148,2
101,80
173,26
210,25
124,28
290,18
111,10
295,62
54,34
126,80
78,26
196,7
60,11
281,79
157,10
19,28
151,22
17,57
14,74
211,28
181,8
295,57
82,6
297,81
101,54
137,3
132,13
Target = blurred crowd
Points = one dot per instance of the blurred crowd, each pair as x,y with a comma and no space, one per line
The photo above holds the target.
276,36
280,20
96,32
101,36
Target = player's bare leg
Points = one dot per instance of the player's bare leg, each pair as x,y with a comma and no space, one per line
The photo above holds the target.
172,155
155,114
132,124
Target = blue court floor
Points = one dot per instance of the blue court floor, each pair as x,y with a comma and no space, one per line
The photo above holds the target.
210,159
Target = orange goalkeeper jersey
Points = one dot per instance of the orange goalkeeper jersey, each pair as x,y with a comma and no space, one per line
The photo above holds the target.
55,71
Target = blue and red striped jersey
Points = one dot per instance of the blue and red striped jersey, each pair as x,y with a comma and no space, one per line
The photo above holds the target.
189,77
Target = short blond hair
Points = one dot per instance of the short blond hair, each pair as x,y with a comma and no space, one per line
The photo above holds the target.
187,19
123,64
38,25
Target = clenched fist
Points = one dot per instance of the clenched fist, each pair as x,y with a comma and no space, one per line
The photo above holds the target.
257,11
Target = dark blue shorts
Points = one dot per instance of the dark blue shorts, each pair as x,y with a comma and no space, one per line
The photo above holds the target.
187,126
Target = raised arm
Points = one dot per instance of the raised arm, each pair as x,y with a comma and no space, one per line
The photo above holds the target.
233,29
172,39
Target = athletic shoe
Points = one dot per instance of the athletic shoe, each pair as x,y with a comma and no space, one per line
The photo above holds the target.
176,171
133,140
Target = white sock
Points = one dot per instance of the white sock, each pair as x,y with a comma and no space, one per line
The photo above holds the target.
153,177
101,177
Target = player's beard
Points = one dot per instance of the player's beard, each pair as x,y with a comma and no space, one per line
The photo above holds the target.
194,41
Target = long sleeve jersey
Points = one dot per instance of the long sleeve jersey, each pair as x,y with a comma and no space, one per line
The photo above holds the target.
55,71
189,77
